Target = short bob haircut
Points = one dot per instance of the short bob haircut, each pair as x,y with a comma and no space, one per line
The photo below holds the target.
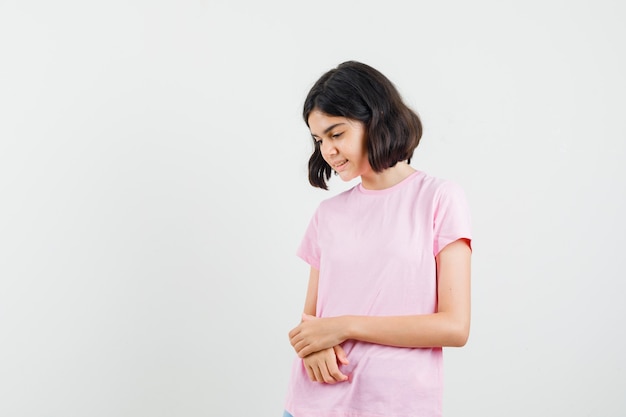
357,91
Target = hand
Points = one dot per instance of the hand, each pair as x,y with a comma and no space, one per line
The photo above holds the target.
323,366
314,334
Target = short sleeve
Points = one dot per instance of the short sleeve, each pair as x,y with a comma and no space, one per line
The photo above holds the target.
451,217
309,249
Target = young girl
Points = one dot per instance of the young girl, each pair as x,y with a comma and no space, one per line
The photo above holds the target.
389,284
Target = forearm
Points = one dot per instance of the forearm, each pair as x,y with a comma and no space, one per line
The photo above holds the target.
431,330
311,293
449,326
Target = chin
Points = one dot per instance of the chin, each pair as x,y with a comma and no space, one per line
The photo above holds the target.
345,177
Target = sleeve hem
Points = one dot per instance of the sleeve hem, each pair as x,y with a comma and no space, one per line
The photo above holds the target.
446,242
310,260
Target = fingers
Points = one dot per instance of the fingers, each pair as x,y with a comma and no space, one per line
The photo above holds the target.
335,374
317,374
301,347
341,355
294,332
303,351
295,340
323,367
314,334
309,371
325,375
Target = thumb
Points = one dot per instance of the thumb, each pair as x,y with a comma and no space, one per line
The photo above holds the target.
307,317
341,355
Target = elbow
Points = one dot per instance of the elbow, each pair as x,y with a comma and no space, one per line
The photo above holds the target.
460,340
458,335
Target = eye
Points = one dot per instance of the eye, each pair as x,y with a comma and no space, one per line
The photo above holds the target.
336,135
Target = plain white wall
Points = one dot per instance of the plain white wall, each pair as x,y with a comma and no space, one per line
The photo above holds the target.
153,191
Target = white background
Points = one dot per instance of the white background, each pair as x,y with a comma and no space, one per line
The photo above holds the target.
153,191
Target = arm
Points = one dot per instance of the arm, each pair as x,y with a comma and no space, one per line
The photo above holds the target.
321,366
310,302
449,326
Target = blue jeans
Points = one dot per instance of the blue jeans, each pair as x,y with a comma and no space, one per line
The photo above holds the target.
286,414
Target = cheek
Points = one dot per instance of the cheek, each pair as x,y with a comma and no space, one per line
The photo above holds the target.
362,152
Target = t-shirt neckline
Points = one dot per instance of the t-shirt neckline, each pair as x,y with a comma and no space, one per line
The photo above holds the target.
390,189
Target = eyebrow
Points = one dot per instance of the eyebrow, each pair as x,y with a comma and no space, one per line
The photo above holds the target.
329,128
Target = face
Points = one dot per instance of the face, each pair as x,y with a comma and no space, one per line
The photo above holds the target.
342,142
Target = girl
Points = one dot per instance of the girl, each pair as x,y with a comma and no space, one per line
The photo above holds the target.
389,284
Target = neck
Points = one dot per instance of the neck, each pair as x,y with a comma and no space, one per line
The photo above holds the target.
388,178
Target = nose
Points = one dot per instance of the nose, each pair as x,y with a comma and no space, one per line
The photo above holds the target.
327,148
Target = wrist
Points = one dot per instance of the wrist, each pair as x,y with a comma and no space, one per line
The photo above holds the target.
347,328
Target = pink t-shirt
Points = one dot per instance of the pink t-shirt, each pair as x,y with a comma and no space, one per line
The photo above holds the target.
375,250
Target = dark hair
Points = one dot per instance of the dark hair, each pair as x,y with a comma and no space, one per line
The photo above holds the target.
357,91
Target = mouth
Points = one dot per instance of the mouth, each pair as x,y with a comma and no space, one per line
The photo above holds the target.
338,165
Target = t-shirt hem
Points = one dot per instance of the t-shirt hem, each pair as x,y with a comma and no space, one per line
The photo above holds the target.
326,413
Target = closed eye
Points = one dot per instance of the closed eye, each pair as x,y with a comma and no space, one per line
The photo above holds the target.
318,141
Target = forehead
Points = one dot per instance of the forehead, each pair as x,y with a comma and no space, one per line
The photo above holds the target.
320,122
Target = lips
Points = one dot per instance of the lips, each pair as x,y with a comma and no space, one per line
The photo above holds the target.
339,165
